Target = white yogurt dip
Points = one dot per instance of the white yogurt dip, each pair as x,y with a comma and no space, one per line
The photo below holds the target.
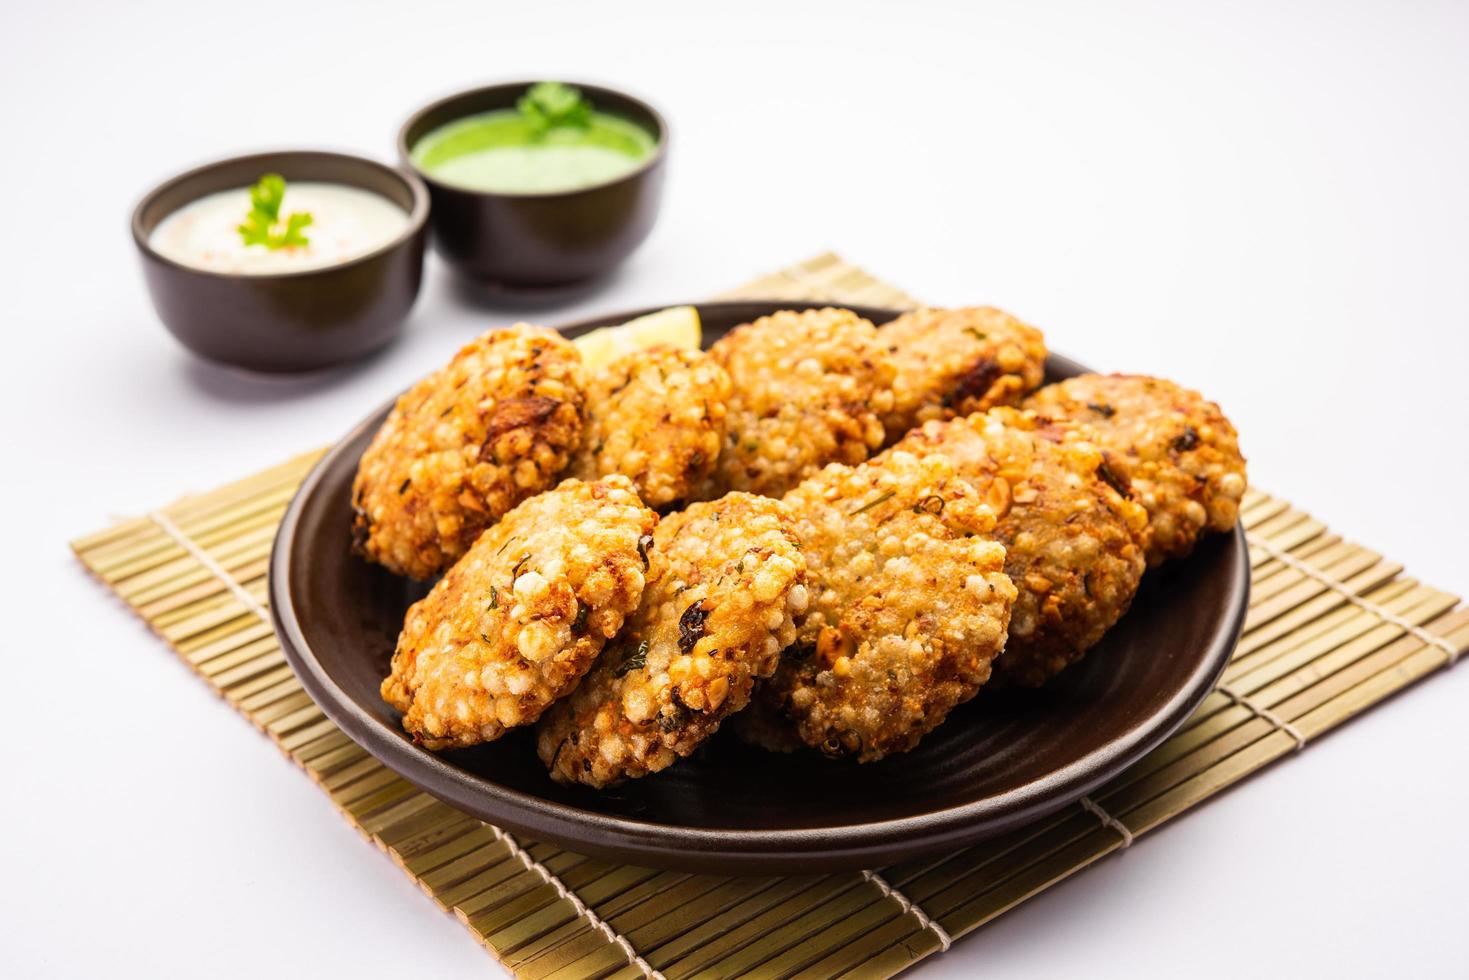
347,222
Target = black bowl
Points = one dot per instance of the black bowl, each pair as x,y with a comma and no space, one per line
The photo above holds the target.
292,321
1005,758
543,241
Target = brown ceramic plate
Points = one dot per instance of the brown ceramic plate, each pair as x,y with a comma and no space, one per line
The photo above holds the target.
1001,760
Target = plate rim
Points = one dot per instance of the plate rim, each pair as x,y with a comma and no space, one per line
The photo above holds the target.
804,849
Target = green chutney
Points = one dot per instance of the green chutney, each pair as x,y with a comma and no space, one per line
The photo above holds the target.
502,153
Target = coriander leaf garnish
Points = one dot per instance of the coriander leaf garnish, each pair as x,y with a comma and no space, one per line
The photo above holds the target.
637,661
263,225
874,502
546,105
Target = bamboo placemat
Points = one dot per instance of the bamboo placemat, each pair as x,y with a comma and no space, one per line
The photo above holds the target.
1333,628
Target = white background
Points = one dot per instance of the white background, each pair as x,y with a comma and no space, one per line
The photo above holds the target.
1269,204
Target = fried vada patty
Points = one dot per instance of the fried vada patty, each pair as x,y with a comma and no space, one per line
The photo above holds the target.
1073,544
657,417
808,388
909,606
1177,451
494,426
521,617
726,581
951,363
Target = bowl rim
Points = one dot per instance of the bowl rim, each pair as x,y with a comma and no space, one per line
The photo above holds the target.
654,159
417,215
827,847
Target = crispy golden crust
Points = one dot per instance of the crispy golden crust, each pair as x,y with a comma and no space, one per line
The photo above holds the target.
657,417
951,363
1178,451
1073,544
909,605
726,581
518,620
496,425
809,388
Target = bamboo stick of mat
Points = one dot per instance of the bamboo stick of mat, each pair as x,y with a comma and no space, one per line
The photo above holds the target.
1332,629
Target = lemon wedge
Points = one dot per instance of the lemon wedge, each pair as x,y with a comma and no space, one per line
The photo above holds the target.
677,326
